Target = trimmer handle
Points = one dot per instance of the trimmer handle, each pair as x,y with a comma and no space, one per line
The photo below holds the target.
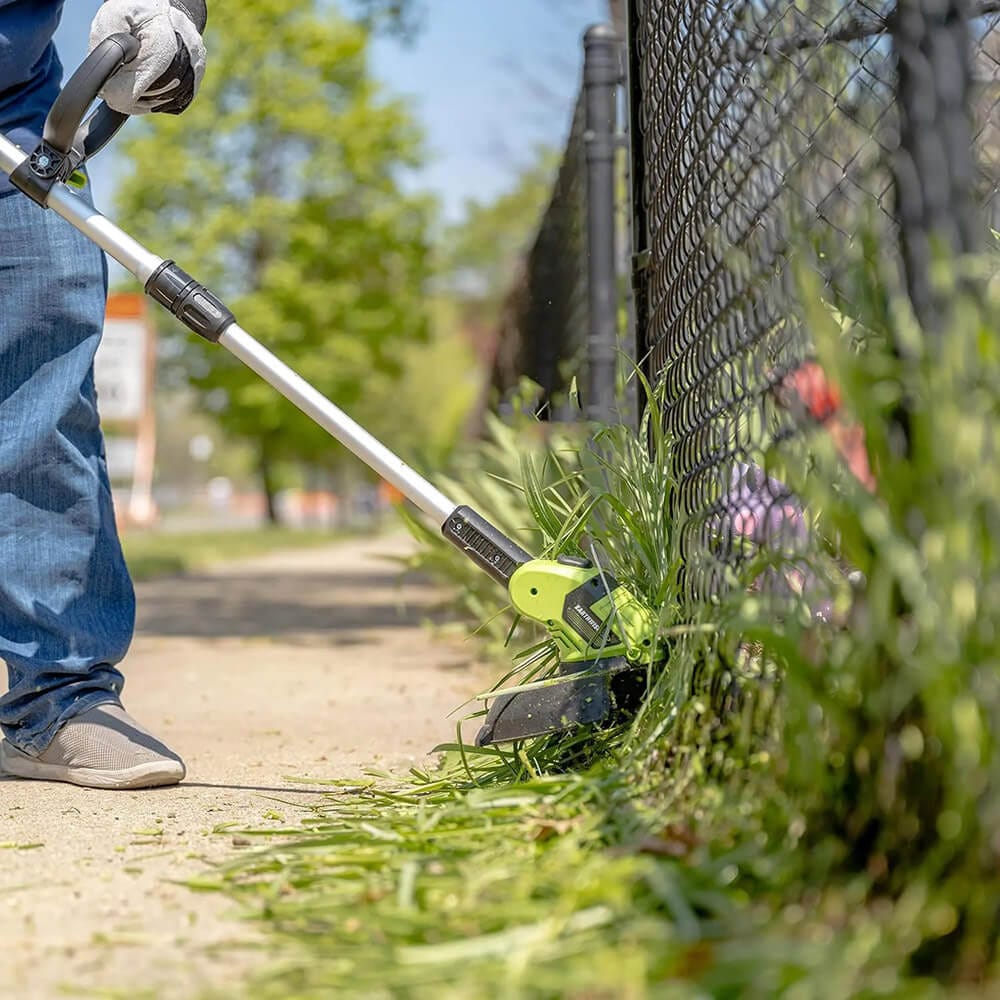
65,129
68,140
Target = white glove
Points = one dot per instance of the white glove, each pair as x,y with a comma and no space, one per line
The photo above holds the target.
167,72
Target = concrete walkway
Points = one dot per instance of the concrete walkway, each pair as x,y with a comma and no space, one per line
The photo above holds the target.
309,664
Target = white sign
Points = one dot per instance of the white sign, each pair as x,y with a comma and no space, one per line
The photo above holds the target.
121,455
120,370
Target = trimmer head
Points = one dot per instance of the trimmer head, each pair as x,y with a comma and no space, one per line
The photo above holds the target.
583,694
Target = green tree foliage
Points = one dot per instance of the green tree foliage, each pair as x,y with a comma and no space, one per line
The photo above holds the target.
280,187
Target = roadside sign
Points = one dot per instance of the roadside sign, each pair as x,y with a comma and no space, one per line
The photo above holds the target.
121,455
120,368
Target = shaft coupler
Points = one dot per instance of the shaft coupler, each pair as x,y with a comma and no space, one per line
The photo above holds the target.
191,302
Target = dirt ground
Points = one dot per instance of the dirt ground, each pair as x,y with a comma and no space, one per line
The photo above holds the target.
303,665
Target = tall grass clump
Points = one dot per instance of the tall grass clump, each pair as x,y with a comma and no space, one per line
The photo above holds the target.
890,720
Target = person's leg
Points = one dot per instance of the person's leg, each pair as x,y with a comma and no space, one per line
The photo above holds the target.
66,603
67,607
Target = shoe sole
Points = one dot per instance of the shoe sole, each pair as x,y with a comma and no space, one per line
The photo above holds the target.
155,774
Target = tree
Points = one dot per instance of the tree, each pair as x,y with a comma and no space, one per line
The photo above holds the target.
280,188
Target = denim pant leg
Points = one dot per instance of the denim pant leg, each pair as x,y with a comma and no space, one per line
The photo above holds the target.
67,608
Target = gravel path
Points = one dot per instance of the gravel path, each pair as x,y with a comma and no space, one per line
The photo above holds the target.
307,664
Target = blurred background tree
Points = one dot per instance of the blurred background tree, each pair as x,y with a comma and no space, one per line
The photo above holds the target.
281,187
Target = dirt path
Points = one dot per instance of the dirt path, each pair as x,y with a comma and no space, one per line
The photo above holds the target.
307,664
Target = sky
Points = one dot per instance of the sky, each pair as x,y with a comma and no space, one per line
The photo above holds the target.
489,80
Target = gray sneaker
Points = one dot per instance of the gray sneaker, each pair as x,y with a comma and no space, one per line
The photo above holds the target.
103,748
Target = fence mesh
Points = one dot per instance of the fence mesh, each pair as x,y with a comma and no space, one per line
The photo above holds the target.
543,328
776,130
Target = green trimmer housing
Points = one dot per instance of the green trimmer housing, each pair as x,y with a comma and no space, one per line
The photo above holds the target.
604,635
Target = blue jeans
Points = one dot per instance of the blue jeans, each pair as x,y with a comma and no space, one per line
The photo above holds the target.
67,608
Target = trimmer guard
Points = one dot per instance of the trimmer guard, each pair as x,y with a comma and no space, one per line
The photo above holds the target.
583,694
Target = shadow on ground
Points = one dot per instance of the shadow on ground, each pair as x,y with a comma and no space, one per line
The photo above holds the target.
315,608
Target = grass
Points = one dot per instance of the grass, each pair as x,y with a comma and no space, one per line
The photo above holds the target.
587,885
445,889
151,554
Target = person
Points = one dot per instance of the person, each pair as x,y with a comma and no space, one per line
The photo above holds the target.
67,606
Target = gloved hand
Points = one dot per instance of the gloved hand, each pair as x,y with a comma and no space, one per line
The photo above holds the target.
166,73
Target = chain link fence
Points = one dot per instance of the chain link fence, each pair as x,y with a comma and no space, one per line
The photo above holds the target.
766,131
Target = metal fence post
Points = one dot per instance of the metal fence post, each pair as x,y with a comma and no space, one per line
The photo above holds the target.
601,77
934,167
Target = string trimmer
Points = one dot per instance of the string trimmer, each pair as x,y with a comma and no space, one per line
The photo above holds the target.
602,633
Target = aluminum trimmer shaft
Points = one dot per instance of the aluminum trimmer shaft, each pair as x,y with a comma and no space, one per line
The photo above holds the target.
144,265
204,313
